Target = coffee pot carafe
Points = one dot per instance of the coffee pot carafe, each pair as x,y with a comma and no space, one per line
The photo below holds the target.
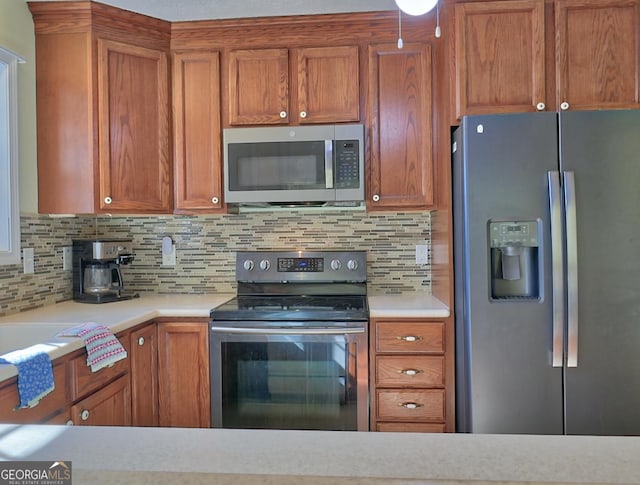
97,277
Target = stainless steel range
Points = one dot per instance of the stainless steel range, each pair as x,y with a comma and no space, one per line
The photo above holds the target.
290,351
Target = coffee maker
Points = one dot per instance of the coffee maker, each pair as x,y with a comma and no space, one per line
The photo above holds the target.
96,270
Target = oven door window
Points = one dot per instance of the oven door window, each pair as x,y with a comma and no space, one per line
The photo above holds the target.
277,166
288,382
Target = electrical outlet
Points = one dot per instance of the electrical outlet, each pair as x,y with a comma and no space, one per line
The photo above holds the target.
28,260
422,254
67,253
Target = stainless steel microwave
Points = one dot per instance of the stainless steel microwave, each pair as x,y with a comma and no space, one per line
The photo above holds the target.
321,164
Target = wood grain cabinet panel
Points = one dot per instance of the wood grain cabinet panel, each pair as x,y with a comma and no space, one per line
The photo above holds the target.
410,337
597,54
184,387
410,371
400,110
410,405
282,86
110,406
143,357
500,57
197,132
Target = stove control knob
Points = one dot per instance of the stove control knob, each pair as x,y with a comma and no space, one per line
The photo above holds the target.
352,264
336,264
265,265
248,265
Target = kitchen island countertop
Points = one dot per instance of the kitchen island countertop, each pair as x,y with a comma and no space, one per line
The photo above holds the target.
101,455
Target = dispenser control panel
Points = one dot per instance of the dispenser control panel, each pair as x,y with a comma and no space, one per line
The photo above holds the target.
513,233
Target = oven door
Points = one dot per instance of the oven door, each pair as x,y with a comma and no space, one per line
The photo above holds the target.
283,378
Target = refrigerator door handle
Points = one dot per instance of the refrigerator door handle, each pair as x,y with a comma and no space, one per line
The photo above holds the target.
572,268
557,267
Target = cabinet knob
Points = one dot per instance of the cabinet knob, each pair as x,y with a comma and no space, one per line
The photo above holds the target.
303,114
141,341
540,106
84,414
283,114
410,372
108,200
375,197
564,106
409,338
69,423
215,200
410,405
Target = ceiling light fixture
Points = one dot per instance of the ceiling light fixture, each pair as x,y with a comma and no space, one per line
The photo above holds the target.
416,7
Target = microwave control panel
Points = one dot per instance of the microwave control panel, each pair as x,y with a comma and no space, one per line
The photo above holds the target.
347,165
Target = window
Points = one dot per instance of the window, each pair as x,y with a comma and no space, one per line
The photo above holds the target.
9,212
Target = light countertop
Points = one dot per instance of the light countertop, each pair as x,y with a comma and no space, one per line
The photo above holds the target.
175,455
411,305
37,328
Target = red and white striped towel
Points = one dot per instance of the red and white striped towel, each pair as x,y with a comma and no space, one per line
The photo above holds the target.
103,347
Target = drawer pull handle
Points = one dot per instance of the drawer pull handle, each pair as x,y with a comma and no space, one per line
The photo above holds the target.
409,338
141,341
410,405
410,372
84,415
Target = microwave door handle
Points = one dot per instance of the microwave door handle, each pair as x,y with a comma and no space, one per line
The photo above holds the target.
328,163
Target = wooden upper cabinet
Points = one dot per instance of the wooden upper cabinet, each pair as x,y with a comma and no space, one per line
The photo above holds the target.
133,127
500,57
400,110
328,84
102,109
258,86
322,87
197,132
597,54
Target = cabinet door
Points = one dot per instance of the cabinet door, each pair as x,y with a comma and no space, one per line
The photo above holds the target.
110,406
401,111
328,84
197,134
183,358
258,86
144,376
500,57
598,54
133,128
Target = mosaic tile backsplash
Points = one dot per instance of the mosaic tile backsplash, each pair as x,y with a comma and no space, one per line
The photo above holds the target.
206,247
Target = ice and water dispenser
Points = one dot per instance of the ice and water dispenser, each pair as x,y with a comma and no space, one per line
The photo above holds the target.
514,260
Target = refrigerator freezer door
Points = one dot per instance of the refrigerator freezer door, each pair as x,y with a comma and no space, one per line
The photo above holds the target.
603,150
505,379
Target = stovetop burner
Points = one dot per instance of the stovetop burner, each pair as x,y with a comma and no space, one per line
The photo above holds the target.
298,287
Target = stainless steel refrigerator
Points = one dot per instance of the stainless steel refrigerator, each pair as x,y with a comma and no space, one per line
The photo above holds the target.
547,273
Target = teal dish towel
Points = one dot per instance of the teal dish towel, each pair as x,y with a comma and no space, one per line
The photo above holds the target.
103,347
35,375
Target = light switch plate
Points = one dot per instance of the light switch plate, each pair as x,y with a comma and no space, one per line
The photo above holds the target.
422,254
28,260
67,253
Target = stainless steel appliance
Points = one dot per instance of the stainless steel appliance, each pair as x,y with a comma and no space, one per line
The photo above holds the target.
290,351
321,164
547,286
96,270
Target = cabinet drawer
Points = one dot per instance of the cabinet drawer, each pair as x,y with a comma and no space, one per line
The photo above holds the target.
83,381
410,371
410,405
411,427
410,337
47,406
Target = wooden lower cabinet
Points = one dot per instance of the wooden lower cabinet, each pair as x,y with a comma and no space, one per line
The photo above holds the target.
411,376
144,375
110,406
183,364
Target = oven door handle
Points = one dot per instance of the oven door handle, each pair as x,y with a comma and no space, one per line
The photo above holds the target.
289,331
